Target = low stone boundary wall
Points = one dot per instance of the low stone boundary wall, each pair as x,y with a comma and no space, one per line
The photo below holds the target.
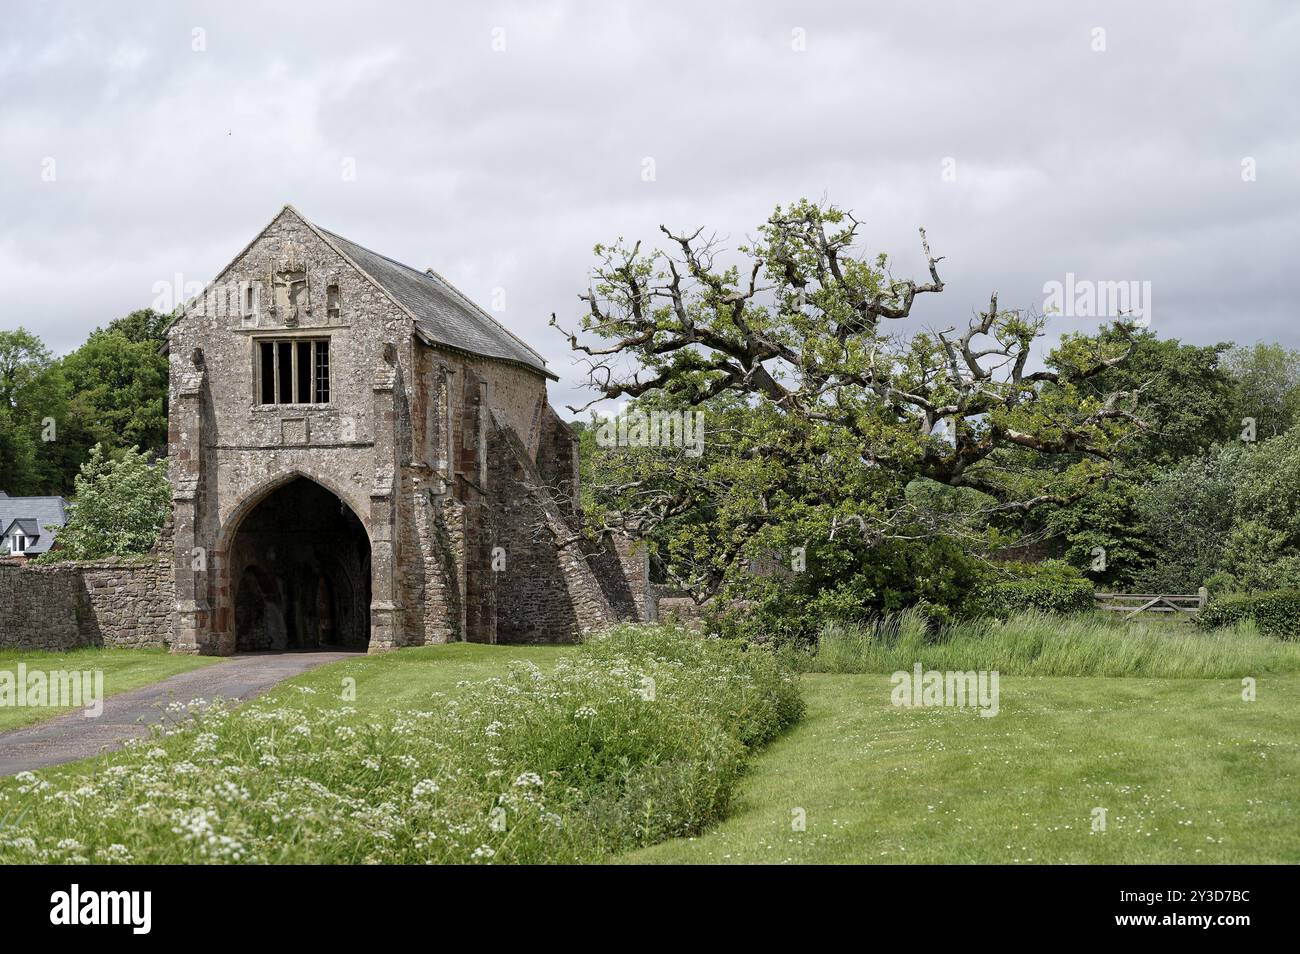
668,603
38,607
124,602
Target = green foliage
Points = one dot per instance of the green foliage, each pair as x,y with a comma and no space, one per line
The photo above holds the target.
32,394
1268,386
1275,613
1227,610
17,456
145,326
1189,397
1050,587
884,451
119,385
111,391
639,735
1184,517
24,359
1106,516
849,580
1262,551
1228,513
1189,401
587,451
1032,643
119,509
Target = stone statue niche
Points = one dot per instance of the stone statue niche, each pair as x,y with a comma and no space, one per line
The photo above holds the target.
290,296
289,285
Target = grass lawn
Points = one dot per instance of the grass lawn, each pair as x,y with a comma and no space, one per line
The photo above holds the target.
123,669
1186,770
408,678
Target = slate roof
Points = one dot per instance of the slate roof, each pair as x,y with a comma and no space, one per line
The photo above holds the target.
442,313
33,515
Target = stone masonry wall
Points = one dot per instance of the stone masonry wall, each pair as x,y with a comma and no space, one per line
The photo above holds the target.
38,607
228,450
622,575
128,604
546,591
118,602
670,606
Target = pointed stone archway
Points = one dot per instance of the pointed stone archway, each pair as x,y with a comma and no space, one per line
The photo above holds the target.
296,573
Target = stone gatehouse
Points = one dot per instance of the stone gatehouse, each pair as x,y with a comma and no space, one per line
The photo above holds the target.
362,457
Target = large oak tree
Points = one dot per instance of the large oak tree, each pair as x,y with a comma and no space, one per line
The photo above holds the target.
829,406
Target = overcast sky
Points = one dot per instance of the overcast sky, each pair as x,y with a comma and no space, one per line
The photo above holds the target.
499,142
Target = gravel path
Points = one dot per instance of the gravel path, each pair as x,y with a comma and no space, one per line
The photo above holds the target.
128,715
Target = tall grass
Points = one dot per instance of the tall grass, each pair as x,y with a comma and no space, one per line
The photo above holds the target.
1038,644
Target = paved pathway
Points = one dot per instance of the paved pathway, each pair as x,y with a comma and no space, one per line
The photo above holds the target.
128,715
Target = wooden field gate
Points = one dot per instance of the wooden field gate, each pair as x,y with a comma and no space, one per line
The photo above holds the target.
1170,605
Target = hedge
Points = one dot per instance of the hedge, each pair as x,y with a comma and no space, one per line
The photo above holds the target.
1276,612
1049,587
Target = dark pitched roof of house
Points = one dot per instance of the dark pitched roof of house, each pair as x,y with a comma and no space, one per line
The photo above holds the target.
33,515
442,313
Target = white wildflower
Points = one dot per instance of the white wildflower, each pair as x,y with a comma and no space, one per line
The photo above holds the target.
425,788
29,783
116,852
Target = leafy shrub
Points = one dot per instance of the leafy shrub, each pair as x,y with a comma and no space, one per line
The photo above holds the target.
1186,514
1106,516
1049,587
851,583
637,736
1221,583
1275,613
1262,551
1226,611
120,506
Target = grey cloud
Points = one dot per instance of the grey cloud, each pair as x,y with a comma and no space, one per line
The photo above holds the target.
502,169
